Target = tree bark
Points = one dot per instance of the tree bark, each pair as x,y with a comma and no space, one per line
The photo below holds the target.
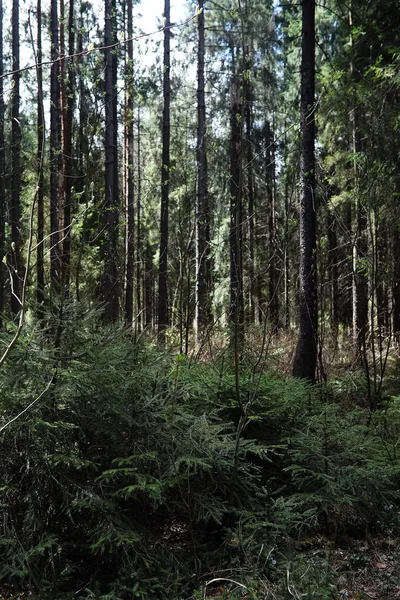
273,270
139,249
333,271
360,239
55,275
163,317
40,170
129,174
2,171
110,292
202,314
67,113
236,313
396,267
305,360
16,267
250,203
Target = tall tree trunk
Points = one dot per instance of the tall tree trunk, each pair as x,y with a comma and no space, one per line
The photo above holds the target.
110,290
148,286
236,313
202,315
139,250
165,175
273,271
333,270
40,170
287,217
2,171
396,266
360,239
360,286
54,152
67,113
381,260
16,267
129,174
305,360
346,259
83,144
251,205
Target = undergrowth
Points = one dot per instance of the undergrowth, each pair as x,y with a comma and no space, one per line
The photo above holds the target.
143,474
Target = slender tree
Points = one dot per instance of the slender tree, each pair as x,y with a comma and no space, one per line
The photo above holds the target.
305,360
236,210
360,227
139,249
396,263
273,270
67,85
40,169
202,315
333,271
15,166
2,171
165,176
110,291
129,173
250,197
54,151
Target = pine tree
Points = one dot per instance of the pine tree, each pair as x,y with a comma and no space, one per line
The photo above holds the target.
202,316
40,168
163,318
55,259
110,287
306,352
16,138
129,173
2,171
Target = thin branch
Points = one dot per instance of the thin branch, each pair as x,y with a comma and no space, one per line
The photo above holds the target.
96,49
29,406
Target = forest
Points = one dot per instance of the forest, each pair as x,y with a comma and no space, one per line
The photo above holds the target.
200,300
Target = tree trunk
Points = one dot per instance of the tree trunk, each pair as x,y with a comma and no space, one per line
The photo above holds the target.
110,292
2,171
202,315
165,175
273,279
148,286
305,360
236,313
129,174
16,267
67,113
83,142
40,170
360,243
54,152
251,206
333,271
396,267
139,250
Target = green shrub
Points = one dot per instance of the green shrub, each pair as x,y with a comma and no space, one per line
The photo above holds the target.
138,474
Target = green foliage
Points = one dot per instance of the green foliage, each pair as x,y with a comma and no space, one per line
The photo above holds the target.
138,471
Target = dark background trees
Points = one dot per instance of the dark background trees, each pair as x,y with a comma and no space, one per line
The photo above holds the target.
231,200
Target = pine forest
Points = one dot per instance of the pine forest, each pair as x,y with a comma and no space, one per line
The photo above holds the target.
200,299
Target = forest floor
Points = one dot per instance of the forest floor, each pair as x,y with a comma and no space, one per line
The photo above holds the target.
361,570
365,569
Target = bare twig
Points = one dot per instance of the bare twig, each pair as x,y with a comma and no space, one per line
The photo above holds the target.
29,406
89,50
